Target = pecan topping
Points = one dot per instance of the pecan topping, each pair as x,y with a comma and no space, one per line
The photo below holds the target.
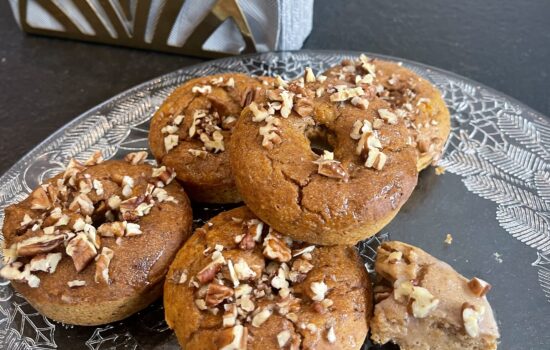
319,290
276,249
164,175
81,250
83,204
329,167
136,158
40,199
45,262
208,273
13,272
261,317
217,293
479,287
233,338
95,158
471,317
76,283
38,245
111,229
102,266
248,96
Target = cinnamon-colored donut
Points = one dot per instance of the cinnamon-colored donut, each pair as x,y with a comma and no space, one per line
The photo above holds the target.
311,197
414,98
238,282
93,244
191,129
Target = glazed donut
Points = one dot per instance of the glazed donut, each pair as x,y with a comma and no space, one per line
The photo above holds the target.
191,129
414,98
237,284
340,197
93,244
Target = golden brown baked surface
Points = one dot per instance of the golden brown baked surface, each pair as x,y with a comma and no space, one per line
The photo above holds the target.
310,197
320,299
86,198
423,303
417,100
191,129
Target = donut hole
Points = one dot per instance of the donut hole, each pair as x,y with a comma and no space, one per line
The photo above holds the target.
320,139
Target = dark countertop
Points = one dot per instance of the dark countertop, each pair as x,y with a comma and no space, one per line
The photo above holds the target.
504,44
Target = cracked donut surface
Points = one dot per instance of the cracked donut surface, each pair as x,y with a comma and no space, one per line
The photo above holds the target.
238,284
191,129
340,197
93,244
416,99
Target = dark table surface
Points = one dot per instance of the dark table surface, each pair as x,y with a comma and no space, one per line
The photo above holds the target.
504,44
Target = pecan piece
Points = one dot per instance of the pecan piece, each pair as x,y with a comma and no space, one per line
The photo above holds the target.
81,250
136,158
40,199
102,266
233,338
208,273
479,287
217,293
276,249
45,262
39,245
111,229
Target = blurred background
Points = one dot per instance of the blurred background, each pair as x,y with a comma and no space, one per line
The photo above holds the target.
505,44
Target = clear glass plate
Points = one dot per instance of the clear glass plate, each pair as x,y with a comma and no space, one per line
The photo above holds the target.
494,199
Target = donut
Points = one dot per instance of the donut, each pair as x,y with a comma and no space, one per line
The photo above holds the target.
414,98
423,303
93,244
191,129
322,165
238,284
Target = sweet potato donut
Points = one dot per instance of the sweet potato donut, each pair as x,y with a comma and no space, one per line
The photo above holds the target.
340,197
93,244
414,98
191,129
237,284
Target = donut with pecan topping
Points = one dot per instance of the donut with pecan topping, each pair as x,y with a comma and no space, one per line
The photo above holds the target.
237,284
414,99
423,303
93,244
191,129
322,160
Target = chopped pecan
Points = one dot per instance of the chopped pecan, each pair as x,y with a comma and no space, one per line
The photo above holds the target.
136,158
329,167
40,199
471,316
217,293
94,159
83,204
163,175
102,265
248,96
261,317
45,262
276,249
234,338
81,250
111,229
479,287
39,245
208,273
304,107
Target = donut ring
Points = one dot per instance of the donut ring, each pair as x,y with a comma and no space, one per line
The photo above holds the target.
312,198
425,113
324,298
73,264
190,131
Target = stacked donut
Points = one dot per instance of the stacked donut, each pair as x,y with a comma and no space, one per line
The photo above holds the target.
320,163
